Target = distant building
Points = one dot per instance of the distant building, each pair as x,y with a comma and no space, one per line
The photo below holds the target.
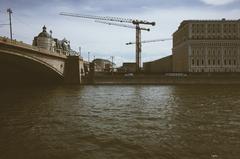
129,67
207,46
163,65
102,65
45,40
86,66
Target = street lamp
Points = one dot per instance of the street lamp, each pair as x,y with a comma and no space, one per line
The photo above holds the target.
88,56
10,21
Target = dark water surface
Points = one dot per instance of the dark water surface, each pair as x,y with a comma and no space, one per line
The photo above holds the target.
162,122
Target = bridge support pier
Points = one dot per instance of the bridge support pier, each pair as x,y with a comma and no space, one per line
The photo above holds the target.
73,70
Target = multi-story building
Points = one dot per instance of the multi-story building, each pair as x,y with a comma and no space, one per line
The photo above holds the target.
103,65
163,65
207,46
45,41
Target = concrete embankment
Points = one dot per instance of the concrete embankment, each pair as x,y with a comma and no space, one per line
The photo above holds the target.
107,79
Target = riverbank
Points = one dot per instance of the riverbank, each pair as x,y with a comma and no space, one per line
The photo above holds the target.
163,79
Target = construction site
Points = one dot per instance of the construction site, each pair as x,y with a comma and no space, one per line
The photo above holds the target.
203,51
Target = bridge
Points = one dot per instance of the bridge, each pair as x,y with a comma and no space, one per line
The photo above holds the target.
20,62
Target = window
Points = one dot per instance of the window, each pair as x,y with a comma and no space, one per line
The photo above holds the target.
235,53
192,61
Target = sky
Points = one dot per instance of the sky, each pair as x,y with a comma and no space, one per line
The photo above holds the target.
104,41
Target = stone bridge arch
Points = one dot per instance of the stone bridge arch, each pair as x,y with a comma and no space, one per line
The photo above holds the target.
29,65
19,61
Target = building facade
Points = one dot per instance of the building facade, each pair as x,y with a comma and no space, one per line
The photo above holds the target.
45,41
207,46
103,65
163,65
128,67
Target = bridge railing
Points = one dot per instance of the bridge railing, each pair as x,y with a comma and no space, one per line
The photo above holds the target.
15,42
27,46
35,48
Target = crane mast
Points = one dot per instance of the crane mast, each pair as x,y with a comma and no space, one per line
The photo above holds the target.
138,48
120,20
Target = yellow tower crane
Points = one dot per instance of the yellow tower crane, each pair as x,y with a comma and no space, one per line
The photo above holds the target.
136,25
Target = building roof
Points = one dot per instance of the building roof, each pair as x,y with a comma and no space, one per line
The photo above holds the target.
186,22
207,21
44,33
101,60
163,58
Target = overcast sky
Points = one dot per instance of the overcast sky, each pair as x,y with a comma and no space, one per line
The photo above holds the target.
103,41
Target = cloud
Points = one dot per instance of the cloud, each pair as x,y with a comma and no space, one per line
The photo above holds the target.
110,6
218,2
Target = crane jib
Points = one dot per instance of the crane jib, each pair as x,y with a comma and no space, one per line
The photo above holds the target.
121,25
149,41
107,18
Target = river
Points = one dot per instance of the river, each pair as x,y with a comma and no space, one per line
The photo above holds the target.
108,122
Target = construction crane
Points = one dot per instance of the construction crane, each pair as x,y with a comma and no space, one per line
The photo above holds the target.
136,26
121,25
148,41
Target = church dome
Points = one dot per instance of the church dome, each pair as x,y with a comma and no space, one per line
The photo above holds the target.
44,33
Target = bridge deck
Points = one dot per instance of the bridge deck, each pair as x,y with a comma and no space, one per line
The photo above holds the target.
18,44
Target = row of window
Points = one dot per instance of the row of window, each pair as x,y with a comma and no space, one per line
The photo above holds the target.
214,52
216,26
214,70
197,62
217,30
215,37
217,44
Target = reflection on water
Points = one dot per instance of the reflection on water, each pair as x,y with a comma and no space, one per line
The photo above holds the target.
167,122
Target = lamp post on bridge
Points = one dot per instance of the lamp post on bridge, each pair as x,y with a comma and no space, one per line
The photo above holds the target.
88,57
112,57
80,50
10,21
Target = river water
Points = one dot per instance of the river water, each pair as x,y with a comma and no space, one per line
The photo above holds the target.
108,122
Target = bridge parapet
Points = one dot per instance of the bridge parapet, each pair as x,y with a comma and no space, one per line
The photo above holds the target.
29,47
70,68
